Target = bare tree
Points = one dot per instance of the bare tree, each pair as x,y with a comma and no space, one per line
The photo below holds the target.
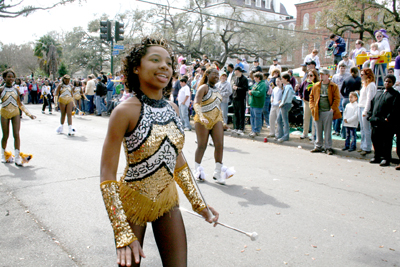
19,57
13,10
194,32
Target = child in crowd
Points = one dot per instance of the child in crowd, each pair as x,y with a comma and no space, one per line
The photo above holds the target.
276,99
350,120
373,54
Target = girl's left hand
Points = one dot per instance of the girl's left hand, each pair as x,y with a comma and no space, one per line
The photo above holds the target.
209,217
32,117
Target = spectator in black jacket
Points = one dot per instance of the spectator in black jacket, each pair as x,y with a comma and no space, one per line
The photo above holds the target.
384,118
240,89
350,84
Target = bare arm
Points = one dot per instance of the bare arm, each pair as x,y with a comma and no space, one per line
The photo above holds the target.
120,122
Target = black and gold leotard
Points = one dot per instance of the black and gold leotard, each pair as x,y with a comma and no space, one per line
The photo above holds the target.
77,93
9,103
211,108
65,94
147,187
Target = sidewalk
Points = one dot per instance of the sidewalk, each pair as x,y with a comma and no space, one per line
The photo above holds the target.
295,141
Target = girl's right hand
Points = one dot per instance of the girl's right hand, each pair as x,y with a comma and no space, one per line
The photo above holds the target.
204,120
124,255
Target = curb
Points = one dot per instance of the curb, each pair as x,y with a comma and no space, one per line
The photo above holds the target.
305,144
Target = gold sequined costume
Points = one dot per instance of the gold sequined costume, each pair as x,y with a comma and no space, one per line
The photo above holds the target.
9,103
65,94
210,108
77,93
147,187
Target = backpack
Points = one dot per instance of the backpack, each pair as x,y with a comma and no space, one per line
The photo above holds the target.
101,89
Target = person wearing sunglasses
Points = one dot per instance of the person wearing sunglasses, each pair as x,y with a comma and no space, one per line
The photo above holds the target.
360,49
304,93
382,39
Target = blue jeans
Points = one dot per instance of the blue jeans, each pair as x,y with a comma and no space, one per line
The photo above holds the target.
365,129
351,133
256,119
109,102
184,114
266,109
100,106
224,109
90,106
283,122
344,104
380,81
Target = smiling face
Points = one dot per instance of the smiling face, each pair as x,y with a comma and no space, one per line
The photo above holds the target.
9,79
213,77
155,70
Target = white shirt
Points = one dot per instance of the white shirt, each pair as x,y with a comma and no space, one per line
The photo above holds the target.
22,90
183,92
18,88
366,95
45,90
384,45
310,58
90,87
349,64
246,67
351,115
272,67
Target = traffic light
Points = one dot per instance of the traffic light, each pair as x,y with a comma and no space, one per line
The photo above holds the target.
119,31
105,30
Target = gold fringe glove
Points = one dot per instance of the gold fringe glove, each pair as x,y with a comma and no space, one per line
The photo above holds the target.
122,230
25,110
197,109
184,178
56,101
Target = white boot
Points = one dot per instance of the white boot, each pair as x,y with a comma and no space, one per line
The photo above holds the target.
199,172
18,160
217,173
3,156
60,129
71,130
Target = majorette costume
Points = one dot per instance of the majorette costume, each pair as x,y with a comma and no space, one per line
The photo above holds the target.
77,93
65,97
9,104
65,94
147,191
9,109
210,109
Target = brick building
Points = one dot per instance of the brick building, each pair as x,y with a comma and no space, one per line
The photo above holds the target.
308,14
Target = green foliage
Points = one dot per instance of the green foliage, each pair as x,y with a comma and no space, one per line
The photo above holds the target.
62,70
49,52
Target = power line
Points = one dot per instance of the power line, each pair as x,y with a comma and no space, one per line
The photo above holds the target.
235,20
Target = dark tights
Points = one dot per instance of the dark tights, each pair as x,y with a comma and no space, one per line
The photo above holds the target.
170,235
66,110
217,135
5,127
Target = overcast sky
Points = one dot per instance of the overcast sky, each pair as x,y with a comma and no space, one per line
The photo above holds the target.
24,29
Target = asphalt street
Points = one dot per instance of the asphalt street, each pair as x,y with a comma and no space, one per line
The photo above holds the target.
308,209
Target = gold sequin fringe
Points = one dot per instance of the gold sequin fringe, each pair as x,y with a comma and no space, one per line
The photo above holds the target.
140,209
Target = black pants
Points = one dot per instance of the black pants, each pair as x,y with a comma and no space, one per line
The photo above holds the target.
382,140
46,102
239,109
34,97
